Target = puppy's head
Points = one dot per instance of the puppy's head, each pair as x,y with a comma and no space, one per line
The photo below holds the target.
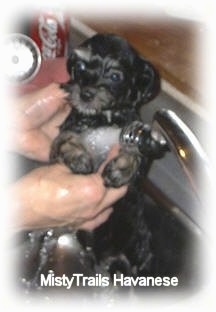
106,73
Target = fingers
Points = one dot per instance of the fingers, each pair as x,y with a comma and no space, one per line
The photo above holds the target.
73,199
112,154
95,195
92,197
97,221
111,196
98,196
44,104
51,128
35,145
39,106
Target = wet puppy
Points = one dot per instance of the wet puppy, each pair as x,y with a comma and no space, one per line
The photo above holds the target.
109,83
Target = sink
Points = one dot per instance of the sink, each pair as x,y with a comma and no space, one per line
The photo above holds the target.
176,248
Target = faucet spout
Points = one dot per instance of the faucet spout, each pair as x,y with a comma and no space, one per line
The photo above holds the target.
167,126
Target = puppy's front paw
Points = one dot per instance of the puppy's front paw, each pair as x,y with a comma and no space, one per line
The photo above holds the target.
67,149
121,169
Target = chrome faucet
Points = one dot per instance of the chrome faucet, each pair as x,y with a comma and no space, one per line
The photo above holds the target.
168,127
169,133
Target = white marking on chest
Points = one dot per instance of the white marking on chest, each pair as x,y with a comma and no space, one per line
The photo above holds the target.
99,141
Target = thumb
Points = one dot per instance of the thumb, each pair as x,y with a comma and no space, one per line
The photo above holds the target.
112,154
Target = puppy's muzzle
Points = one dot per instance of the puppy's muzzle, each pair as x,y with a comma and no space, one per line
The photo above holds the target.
87,94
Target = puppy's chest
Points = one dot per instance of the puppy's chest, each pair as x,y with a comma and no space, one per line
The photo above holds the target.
98,133
99,141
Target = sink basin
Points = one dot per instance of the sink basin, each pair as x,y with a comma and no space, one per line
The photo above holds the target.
175,248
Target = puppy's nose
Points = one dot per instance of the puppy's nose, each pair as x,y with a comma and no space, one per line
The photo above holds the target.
87,95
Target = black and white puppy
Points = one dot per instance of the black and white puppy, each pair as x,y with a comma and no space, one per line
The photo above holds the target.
109,83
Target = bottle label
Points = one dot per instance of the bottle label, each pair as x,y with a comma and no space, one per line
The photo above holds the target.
50,32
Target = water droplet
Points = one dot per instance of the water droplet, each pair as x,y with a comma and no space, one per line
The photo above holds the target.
50,233
27,255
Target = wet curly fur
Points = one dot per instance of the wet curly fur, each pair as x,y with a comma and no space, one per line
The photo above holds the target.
109,83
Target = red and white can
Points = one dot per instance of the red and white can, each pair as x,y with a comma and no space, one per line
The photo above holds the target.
50,32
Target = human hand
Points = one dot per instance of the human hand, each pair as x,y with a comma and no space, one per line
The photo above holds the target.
37,111
35,121
52,196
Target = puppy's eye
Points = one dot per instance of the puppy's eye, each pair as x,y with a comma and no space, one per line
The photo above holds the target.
116,77
80,66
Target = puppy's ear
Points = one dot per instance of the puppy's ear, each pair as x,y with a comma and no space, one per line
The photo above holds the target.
80,53
147,81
